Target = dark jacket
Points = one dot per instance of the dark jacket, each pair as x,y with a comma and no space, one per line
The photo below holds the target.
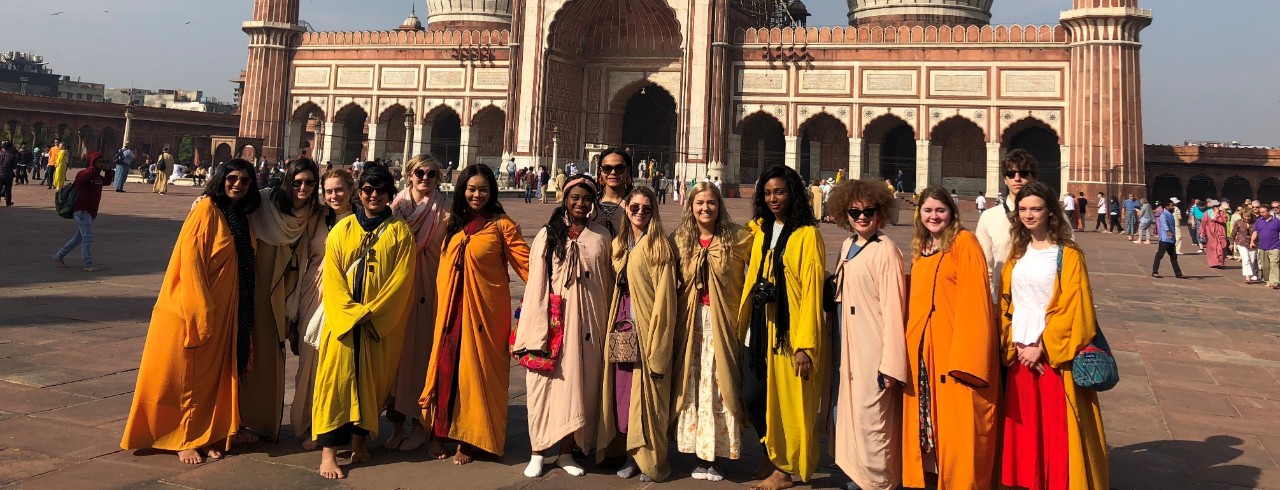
89,184
8,163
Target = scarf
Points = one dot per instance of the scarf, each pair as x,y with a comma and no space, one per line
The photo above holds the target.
426,218
275,227
781,310
369,224
239,226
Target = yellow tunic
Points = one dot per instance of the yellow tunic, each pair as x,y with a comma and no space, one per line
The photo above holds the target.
1069,327
60,166
793,403
340,397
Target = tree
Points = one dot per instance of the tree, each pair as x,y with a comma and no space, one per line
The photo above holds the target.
186,149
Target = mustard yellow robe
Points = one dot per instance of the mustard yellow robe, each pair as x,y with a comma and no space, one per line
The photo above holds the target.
794,404
653,307
340,397
1069,327
484,363
958,339
188,387
60,162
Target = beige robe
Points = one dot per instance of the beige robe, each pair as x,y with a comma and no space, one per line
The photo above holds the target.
427,220
653,307
565,402
873,298
311,309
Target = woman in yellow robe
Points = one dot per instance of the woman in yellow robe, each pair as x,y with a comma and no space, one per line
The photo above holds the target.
949,403
1053,436
636,398
186,399
368,280
60,163
707,368
465,394
782,324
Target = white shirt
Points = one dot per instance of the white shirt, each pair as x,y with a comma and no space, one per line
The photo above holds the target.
981,201
1068,203
1102,206
993,235
1033,282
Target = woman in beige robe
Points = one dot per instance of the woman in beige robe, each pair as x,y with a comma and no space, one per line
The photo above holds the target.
285,225
570,258
636,396
871,344
707,371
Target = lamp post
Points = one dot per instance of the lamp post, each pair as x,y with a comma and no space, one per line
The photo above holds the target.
128,121
317,145
555,149
408,137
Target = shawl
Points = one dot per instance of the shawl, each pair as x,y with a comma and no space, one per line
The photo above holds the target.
275,227
425,218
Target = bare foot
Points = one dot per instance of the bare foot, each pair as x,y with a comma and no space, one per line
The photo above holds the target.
435,450
359,451
464,454
777,481
415,440
763,471
329,464
309,445
396,438
190,456
213,453
244,437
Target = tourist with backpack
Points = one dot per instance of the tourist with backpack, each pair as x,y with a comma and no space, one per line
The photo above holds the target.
124,161
164,164
87,191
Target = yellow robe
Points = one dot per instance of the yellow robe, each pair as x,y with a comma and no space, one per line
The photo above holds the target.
188,388
60,162
340,397
484,363
793,404
1069,327
653,307
957,340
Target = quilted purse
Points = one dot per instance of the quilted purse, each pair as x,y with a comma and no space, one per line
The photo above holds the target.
624,346
1093,367
540,361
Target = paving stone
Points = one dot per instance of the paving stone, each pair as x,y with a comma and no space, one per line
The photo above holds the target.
1176,400
104,386
21,399
98,474
94,413
55,439
17,464
234,473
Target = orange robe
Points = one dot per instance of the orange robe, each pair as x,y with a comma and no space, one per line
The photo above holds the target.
484,363
951,330
1069,327
188,388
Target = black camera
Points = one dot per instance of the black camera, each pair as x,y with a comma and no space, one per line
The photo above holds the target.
764,292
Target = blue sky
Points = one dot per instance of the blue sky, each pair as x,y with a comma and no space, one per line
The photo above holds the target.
1209,70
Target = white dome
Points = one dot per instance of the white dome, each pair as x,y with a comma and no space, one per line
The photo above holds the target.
920,12
465,14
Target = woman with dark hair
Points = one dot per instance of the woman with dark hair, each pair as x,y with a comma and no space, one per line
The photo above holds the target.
367,279
782,387
950,399
566,297
636,404
615,176
285,228
870,351
1053,436
464,397
425,209
708,357
198,346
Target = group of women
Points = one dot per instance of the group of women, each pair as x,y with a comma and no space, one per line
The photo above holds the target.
632,338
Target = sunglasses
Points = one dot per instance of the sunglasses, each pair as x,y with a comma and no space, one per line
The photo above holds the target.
369,191
426,174
855,213
1009,174
233,179
612,169
300,183
638,209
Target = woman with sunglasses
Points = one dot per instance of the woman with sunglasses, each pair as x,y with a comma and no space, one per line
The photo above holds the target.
708,357
465,394
615,177
198,345
285,228
339,190
782,382
637,392
1052,429
870,348
949,404
569,287
368,274
425,209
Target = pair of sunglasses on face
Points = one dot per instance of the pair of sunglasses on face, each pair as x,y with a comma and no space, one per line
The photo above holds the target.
426,174
1009,174
612,169
855,213
369,191
641,210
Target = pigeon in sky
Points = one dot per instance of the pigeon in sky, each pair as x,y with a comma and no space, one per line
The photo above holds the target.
187,24
57,13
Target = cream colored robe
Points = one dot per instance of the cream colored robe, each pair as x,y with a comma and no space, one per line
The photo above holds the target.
311,309
873,300
653,307
427,220
566,402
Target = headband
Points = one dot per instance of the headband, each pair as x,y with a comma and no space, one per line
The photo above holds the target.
581,180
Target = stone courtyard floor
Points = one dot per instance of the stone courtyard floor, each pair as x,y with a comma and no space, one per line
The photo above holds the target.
1198,405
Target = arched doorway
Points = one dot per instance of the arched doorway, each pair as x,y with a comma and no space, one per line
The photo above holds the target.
222,154
1201,187
1269,190
824,147
392,131
964,155
649,127
1236,189
351,124
763,145
487,131
1165,186
110,142
306,123
1041,142
891,148
446,135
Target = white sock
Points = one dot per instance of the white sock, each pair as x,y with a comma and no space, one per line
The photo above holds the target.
570,466
628,470
534,469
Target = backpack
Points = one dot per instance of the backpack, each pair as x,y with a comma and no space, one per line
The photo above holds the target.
119,158
64,198
160,166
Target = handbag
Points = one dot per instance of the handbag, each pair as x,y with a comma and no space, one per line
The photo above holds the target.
1094,367
624,346
543,361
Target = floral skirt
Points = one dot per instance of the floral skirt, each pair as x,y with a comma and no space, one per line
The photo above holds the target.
705,427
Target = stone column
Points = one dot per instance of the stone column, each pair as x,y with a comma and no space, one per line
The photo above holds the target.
465,153
377,140
408,145
422,139
993,170
733,161
935,165
334,143
815,161
922,165
873,161
293,139
793,152
856,168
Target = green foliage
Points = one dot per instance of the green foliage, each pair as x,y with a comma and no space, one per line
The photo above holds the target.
186,149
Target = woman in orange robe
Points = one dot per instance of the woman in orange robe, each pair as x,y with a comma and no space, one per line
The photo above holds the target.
187,395
949,404
465,396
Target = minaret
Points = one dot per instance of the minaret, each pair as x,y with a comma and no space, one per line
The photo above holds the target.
912,13
273,34
1104,128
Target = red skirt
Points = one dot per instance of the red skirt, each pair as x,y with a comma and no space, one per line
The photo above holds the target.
1034,454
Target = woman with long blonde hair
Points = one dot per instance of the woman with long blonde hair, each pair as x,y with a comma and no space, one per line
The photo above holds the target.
707,363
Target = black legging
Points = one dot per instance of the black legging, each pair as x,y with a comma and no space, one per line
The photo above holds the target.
1102,222
1115,223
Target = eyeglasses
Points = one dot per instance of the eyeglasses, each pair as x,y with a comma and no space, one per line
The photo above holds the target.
233,179
638,209
1009,174
300,183
855,213
369,191
426,174
612,169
